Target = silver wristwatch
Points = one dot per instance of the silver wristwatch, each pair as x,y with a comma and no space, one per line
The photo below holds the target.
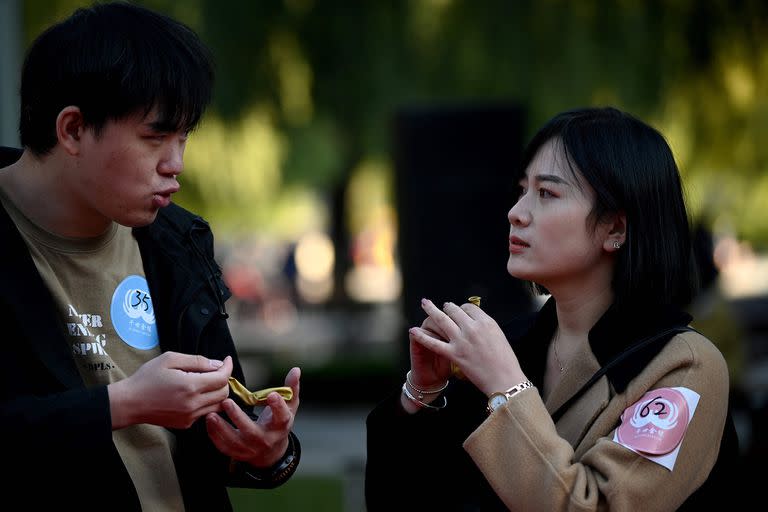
500,398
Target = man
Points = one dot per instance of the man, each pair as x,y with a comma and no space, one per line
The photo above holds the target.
114,392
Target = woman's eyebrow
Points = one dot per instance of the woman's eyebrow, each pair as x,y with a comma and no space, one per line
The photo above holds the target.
552,178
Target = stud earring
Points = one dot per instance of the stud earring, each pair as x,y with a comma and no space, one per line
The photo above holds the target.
616,244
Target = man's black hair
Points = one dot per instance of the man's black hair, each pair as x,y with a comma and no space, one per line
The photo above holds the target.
113,60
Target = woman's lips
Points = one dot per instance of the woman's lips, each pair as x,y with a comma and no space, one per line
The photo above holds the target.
517,245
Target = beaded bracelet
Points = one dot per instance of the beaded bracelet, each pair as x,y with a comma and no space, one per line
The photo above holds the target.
422,392
418,402
246,475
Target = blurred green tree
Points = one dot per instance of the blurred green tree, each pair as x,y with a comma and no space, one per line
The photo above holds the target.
306,90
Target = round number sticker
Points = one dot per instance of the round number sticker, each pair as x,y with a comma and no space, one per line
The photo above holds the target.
133,315
656,423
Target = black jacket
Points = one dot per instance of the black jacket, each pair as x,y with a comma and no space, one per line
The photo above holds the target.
57,447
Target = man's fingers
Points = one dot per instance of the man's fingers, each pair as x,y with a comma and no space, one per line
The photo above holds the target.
195,363
293,380
224,436
281,413
214,396
213,380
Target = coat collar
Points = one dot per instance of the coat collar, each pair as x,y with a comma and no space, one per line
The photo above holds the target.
29,300
618,329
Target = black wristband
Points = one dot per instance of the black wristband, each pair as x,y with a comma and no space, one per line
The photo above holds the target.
275,475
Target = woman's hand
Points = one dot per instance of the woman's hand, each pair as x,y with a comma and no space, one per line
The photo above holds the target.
474,342
429,370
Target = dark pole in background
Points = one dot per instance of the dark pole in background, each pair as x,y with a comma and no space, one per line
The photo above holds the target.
10,70
453,168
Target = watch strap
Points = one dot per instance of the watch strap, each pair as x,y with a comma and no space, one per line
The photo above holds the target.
509,393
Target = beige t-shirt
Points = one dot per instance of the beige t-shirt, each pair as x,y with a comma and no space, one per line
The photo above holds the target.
103,300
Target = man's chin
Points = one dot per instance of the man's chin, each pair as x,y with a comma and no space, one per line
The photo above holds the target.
139,221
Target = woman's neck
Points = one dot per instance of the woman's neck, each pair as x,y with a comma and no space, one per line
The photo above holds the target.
577,315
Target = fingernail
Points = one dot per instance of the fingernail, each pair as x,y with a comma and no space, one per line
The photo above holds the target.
215,363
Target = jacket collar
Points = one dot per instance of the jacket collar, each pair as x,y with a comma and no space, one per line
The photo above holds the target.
29,300
24,292
177,252
618,329
621,327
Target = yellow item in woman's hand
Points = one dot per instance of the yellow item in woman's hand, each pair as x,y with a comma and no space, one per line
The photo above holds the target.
258,397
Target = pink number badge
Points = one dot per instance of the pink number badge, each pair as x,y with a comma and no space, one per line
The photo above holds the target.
656,423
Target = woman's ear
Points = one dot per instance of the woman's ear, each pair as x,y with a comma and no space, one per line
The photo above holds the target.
69,129
617,234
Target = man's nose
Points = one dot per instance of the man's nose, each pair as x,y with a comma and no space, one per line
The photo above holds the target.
173,161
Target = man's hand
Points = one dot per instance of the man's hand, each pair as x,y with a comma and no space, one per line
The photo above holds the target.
260,443
172,390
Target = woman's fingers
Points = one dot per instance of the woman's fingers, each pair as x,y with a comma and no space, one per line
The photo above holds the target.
448,320
428,341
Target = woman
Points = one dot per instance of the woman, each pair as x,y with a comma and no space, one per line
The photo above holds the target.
600,224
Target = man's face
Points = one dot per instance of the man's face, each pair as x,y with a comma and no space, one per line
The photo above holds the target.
128,172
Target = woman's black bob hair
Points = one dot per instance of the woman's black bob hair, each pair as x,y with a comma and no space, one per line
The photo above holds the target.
631,168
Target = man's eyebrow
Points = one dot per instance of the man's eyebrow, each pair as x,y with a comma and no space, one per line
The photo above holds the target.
160,126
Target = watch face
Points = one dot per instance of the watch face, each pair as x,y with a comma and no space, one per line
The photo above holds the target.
497,400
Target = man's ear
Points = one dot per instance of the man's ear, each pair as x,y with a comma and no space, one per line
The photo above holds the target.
617,234
69,129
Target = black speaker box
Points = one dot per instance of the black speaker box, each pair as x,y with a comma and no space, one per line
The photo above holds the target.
454,187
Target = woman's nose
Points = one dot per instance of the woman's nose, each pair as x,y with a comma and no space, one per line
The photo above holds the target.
519,215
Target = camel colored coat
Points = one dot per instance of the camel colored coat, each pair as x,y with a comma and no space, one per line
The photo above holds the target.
533,464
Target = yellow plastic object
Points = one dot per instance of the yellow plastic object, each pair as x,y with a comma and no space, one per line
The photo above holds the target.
455,370
258,397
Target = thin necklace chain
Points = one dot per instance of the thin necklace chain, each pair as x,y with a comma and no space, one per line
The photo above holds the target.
554,344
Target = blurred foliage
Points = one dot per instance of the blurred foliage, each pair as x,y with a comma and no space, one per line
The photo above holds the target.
316,493
306,90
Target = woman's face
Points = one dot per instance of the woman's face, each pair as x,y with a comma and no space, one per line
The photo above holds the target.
551,240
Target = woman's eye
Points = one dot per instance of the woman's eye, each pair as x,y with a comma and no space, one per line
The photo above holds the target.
544,193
